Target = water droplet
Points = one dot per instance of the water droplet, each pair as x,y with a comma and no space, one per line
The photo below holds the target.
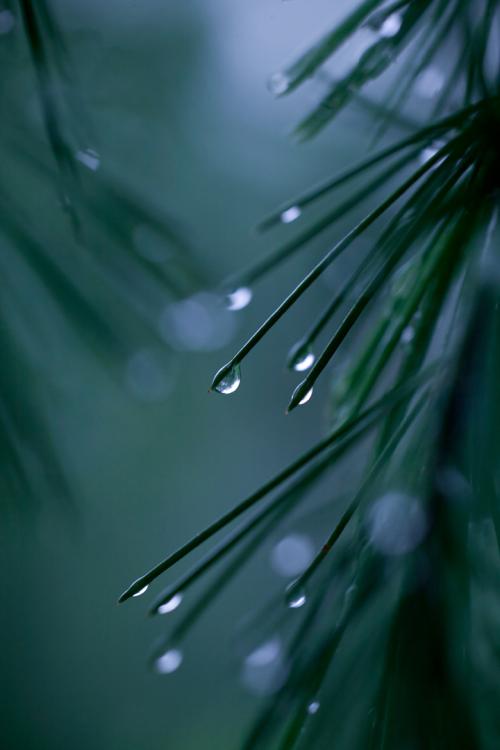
230,382
313,708
390,26
301,357
169,662
278,84
7,21
396,523
170,605
295,597
292,555
89,158
306,398
264,654
408,335
290,214
141,591
239,299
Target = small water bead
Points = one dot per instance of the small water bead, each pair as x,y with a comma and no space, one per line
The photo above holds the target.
239,299
89,158
300,357
278,84
141,591
306,398
408,335
170,605
290,214
7,21
295,597
313,708
391,25
230,382
169,662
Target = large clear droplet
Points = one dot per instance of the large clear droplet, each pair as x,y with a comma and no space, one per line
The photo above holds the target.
239,299
295,597
306,398
141,591
278,84
169,662
230,382
170,605
290,214
301,358
89,158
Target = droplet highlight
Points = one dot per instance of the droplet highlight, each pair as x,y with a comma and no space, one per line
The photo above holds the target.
169,662
89,158
306,398
390,26
239,299
295,597
301,358
278,84
141,591
170,605
290,214
313,708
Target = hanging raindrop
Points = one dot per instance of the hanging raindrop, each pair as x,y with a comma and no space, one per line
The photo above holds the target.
278,84
169,662
300,357
170,605
227,380
141,591
295,597
239,299
306,398
290,214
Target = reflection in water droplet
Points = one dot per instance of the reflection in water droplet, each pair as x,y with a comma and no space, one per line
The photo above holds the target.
169,662
391,25
313,707
89,158
278,84
198,323
7,21
290,214
396,523
230,382
303,360
295,598
141,591
170,605
292,555
306,398
239,299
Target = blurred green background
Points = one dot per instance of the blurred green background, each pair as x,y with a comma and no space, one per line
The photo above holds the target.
176,93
